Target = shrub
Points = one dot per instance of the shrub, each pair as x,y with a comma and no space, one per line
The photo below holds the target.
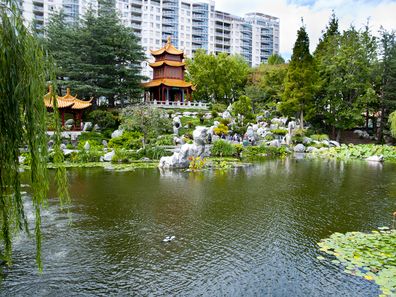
92,137
165,140
319,137
299,132
153,152
214,114
243,106
83,156
218,107
262,150
221,129
128,140
124,156
238,149
222,148
269,137
225,122
280,131
105,119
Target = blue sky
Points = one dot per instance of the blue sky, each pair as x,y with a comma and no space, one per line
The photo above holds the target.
316,14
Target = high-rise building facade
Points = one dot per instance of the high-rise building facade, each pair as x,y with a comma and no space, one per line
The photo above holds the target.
192,25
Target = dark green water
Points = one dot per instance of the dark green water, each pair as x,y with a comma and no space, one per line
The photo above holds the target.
244,232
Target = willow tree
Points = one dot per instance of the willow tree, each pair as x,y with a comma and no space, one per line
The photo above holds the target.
23,74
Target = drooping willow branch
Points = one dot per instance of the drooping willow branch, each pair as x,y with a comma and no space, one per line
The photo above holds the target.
23,73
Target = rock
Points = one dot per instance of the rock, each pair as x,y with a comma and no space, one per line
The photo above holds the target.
181,159
178,140
375,158
69,122
299,148
50,144
274,143
108,157
307,140
186,114
67,152
311,149
145,159
226,115
96,128
65,135
334,143
87,126
62,146
87,146
325,142
104,143
117,133
21,159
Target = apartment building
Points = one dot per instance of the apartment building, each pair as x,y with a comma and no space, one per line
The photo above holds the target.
192,24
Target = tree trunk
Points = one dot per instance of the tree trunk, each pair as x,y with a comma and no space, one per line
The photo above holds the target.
338,135
302,119
333,132
367,119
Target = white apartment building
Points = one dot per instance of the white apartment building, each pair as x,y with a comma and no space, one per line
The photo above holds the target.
192,24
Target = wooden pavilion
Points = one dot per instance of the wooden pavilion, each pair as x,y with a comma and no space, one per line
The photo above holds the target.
68,104
168,84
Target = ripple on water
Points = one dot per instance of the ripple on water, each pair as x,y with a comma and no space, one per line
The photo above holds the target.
249,233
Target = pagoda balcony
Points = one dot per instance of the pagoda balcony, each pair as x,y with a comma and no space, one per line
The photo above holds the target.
179,104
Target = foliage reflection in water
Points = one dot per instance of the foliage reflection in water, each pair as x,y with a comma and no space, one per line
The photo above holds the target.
242,231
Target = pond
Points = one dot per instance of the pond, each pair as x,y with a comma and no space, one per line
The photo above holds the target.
240,232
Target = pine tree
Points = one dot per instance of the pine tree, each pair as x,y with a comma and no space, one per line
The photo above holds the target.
102,57
300,79
388,80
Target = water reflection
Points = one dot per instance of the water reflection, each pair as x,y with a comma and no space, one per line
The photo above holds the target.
246,232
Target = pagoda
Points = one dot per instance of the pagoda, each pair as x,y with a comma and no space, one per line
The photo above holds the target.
168,85
68,104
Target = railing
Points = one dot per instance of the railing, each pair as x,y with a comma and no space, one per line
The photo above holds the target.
179,104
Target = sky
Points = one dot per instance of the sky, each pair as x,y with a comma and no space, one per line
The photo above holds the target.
316,15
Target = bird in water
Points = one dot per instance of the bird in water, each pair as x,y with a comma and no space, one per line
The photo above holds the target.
169,238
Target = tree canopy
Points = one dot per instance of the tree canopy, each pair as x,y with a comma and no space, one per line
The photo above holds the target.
217,78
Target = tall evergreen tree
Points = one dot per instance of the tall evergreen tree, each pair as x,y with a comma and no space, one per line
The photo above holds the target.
300,79
102,56
387,93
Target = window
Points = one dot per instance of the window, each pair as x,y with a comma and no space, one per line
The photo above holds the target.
158,18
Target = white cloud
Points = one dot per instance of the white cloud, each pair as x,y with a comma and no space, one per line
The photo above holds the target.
316,15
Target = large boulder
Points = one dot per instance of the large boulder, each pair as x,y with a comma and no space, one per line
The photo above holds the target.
299,148
375,158
117,133
108,157
334,143
181,159
311,149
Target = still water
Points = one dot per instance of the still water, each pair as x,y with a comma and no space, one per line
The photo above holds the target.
240,232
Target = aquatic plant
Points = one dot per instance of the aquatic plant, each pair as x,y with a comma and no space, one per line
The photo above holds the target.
196,163
369,255
360,151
